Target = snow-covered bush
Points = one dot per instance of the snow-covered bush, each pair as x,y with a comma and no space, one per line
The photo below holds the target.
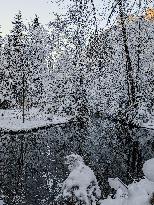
81,184
148,169
137,193
1,199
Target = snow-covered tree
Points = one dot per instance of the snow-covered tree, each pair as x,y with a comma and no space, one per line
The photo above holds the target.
1,67
81,185
38,49
108,92
137,193
60,66
14,61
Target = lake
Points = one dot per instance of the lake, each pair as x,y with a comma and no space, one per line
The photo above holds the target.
32,166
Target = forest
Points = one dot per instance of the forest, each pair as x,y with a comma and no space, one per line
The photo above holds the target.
78,94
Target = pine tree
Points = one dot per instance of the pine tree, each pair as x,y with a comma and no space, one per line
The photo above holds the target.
14,61
1,68
80,15
38,48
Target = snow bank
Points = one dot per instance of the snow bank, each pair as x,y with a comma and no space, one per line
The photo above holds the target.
81,182
110,201
34,118
149,124
1,200
143,187
60,119
118,184
137,193
144,118
148,169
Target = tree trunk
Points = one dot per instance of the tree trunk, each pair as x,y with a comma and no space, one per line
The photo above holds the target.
129,68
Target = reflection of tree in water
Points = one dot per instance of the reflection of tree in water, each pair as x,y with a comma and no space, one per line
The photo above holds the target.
132,151
12,173
33,163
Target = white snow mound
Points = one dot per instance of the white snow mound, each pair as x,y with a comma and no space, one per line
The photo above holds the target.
81,181
148,169
137,193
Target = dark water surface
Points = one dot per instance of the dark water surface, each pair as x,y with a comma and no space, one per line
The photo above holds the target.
32,164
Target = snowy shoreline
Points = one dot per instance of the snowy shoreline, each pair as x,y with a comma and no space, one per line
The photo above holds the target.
11,120
148,125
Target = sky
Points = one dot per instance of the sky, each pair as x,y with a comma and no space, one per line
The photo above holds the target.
43,8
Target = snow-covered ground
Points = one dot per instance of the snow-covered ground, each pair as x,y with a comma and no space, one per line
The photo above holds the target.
147,118
82,183
1,202
149,124
12,119
137,193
